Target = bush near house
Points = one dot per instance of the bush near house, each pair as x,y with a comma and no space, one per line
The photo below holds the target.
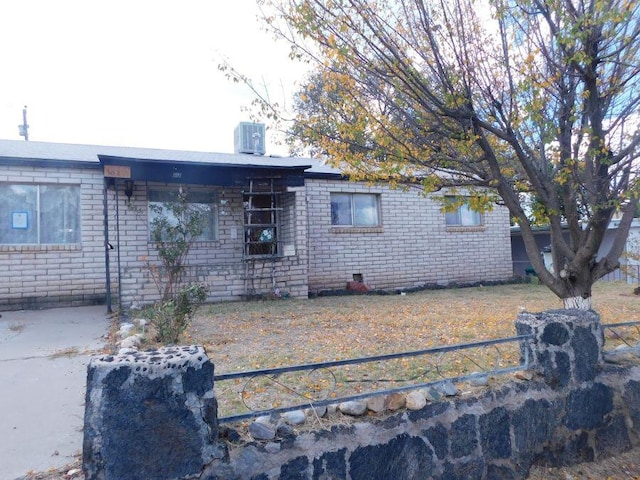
174,228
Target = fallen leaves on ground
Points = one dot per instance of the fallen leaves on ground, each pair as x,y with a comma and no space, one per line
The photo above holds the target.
241,336
625,466
248,335
262,334
71,471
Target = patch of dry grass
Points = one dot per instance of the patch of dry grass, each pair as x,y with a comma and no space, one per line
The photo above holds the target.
65,353
272,333
16,327
243,336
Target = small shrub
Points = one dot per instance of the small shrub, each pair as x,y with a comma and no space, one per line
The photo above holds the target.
175,226
171,317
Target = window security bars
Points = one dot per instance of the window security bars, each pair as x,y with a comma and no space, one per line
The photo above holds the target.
262,208
284,389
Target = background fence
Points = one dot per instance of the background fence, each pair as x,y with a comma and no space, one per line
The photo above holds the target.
626,273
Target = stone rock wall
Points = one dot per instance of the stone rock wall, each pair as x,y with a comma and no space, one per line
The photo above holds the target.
149,415
576,408
152,416
497,435
566,348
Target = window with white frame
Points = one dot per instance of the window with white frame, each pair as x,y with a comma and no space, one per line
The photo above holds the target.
198,200
38,214
463,215
355,209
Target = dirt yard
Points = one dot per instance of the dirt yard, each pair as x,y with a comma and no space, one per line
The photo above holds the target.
273,333
261,334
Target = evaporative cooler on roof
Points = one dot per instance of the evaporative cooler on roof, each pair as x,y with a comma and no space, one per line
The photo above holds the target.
249,138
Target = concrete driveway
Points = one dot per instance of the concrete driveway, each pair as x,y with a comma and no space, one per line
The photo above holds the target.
43,360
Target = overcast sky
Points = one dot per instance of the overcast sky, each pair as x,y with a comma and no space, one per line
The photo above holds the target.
134,72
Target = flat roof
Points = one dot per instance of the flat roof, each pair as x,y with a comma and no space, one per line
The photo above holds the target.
21,152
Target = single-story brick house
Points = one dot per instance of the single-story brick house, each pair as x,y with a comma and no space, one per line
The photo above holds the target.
74,227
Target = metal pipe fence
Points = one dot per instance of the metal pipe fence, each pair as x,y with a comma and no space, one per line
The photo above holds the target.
284,389
622,337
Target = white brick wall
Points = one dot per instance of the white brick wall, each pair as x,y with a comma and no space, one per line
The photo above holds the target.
33,276
412,248
218,263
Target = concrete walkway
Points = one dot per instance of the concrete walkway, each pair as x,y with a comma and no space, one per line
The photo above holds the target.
43,360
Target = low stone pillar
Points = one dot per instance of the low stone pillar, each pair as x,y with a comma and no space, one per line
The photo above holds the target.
566,347
149,415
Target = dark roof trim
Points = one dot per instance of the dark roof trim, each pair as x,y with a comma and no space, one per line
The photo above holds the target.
47,162
113,160
202,173
325,175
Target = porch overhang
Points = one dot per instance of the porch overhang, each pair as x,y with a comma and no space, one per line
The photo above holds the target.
232,171
199,173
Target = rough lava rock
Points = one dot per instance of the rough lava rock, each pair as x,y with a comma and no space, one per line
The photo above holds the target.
262,431
149,415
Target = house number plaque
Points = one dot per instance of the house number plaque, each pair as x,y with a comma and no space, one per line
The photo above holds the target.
117,171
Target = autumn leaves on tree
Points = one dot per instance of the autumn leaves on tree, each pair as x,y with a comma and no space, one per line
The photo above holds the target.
533,104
